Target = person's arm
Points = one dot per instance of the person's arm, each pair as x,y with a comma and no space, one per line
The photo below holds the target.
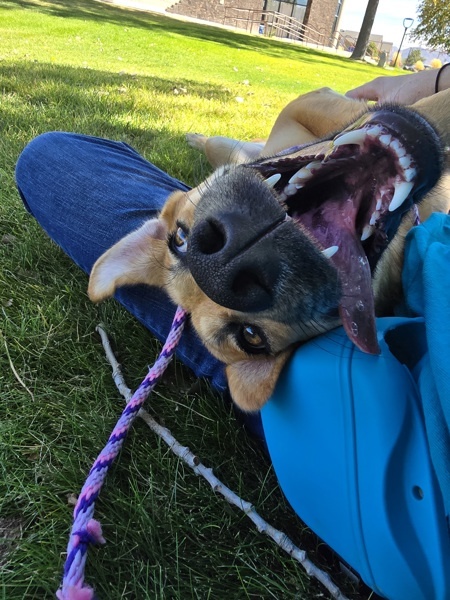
405,89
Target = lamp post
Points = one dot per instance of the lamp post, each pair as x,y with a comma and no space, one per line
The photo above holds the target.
406,24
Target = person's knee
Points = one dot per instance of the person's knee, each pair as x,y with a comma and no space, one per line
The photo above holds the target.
35,165
37,153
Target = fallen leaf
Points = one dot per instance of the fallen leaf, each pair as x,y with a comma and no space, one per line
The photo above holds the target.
72,499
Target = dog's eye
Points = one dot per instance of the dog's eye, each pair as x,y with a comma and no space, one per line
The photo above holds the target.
180,240
252,339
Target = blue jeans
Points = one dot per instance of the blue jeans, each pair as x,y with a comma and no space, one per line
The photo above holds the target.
87,193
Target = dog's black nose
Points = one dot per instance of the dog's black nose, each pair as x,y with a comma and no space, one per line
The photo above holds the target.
234,260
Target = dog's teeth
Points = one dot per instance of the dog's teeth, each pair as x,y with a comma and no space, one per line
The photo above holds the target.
315,164
374,218
367,232
357,136
385,139
398,148
402,191
301,175
273,179
379,204
290,189
374,131
331,251
405,161
304,173
409,174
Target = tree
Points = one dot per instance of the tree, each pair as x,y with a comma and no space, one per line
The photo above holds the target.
436,63
364,33
413,56
372,50
433,24
396,61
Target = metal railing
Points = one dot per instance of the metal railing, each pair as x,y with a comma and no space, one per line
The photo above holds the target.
345,42
274,24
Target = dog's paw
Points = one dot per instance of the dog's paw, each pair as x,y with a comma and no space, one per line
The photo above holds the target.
196,141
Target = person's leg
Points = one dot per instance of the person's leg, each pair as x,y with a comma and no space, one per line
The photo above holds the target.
87,193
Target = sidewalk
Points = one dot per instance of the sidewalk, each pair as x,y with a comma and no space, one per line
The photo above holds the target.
145,5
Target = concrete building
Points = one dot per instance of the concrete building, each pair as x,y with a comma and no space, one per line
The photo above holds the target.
282,18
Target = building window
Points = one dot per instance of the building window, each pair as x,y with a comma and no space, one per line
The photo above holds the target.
277,4
336,18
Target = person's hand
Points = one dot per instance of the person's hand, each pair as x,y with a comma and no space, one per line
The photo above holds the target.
405,89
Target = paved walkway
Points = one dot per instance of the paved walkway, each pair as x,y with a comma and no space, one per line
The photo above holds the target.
149,5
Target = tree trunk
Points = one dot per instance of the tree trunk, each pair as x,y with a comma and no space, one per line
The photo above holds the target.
364,34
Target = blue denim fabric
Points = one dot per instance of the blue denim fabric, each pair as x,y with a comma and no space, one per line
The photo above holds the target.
87,193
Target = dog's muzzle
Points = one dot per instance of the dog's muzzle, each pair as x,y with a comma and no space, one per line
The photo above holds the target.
248,255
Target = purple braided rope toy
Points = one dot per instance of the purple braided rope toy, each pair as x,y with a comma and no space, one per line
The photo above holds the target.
85,529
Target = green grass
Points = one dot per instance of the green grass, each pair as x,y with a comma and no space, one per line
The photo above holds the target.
88,67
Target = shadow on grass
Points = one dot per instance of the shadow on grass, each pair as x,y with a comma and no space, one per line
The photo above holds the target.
103,12
41,97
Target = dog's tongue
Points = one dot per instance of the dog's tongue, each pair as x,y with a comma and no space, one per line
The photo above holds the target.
334,228
356,308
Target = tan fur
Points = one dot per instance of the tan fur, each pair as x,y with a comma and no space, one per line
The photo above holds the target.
311,117
143,256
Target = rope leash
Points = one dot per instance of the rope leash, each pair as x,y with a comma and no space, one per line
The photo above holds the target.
85,529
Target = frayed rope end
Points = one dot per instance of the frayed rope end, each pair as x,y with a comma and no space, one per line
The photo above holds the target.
76,593
92,535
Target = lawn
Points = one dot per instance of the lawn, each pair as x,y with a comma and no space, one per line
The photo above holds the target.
145,79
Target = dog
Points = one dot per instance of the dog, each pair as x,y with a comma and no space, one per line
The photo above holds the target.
291,238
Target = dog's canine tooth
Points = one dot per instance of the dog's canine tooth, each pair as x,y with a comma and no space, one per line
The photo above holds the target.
331,251
273,179
402,191
357,136
379,204
409,174
305,172
367,232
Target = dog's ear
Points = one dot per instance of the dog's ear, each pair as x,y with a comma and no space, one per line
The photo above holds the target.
139,257
251,382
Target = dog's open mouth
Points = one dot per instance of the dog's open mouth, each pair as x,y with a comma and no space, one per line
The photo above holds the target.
349,195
